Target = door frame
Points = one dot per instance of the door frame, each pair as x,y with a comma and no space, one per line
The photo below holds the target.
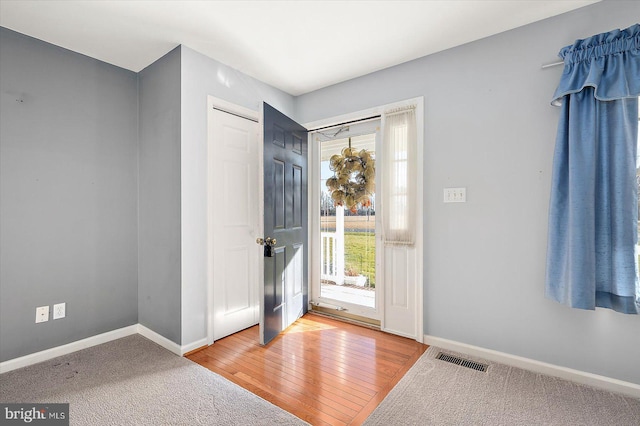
226,106
314,203
369,126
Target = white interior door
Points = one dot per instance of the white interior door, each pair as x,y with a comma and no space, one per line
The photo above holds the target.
233,153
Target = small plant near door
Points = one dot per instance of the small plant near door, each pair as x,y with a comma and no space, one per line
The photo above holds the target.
353,277
351,272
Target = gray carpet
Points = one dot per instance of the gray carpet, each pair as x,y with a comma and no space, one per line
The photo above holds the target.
435,392
133,381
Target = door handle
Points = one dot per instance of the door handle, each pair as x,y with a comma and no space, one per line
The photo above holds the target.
268,243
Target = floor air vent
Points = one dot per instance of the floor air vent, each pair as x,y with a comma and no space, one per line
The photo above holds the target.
461,361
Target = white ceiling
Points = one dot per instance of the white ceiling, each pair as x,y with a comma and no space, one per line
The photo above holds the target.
296,46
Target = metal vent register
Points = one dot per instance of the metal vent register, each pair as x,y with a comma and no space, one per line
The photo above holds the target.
463,362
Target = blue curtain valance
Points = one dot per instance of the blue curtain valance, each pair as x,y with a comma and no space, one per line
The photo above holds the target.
609,62
593,213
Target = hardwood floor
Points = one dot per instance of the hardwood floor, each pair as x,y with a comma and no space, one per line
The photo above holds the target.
323,371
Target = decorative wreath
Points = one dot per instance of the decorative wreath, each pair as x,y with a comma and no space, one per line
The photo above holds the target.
353,181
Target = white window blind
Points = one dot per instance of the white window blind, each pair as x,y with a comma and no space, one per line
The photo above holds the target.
399,176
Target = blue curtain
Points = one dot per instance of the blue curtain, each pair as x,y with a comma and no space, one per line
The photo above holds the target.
593,213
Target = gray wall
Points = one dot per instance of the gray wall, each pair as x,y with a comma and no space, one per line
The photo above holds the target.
159,268
202,76
92,184
489,127
68,179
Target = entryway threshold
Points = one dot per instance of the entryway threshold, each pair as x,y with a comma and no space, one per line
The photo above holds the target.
345,317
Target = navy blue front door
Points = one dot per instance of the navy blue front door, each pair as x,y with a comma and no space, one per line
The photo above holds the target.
285,220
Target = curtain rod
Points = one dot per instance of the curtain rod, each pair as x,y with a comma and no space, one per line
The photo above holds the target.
345,123
553,64
399,111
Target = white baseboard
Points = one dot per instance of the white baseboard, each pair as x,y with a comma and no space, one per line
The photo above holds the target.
48,354
99,339
160,340
168,344
195,345
602,382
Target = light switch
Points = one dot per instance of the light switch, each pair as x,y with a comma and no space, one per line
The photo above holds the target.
455,195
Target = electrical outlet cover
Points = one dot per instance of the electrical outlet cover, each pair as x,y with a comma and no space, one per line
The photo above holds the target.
59,310
42,314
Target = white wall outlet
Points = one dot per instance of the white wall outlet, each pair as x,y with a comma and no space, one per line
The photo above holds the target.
42,314
455,195
59,310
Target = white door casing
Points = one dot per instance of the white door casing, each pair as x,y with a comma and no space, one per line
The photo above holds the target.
233,220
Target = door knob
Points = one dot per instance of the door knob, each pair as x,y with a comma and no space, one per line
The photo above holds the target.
266,241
